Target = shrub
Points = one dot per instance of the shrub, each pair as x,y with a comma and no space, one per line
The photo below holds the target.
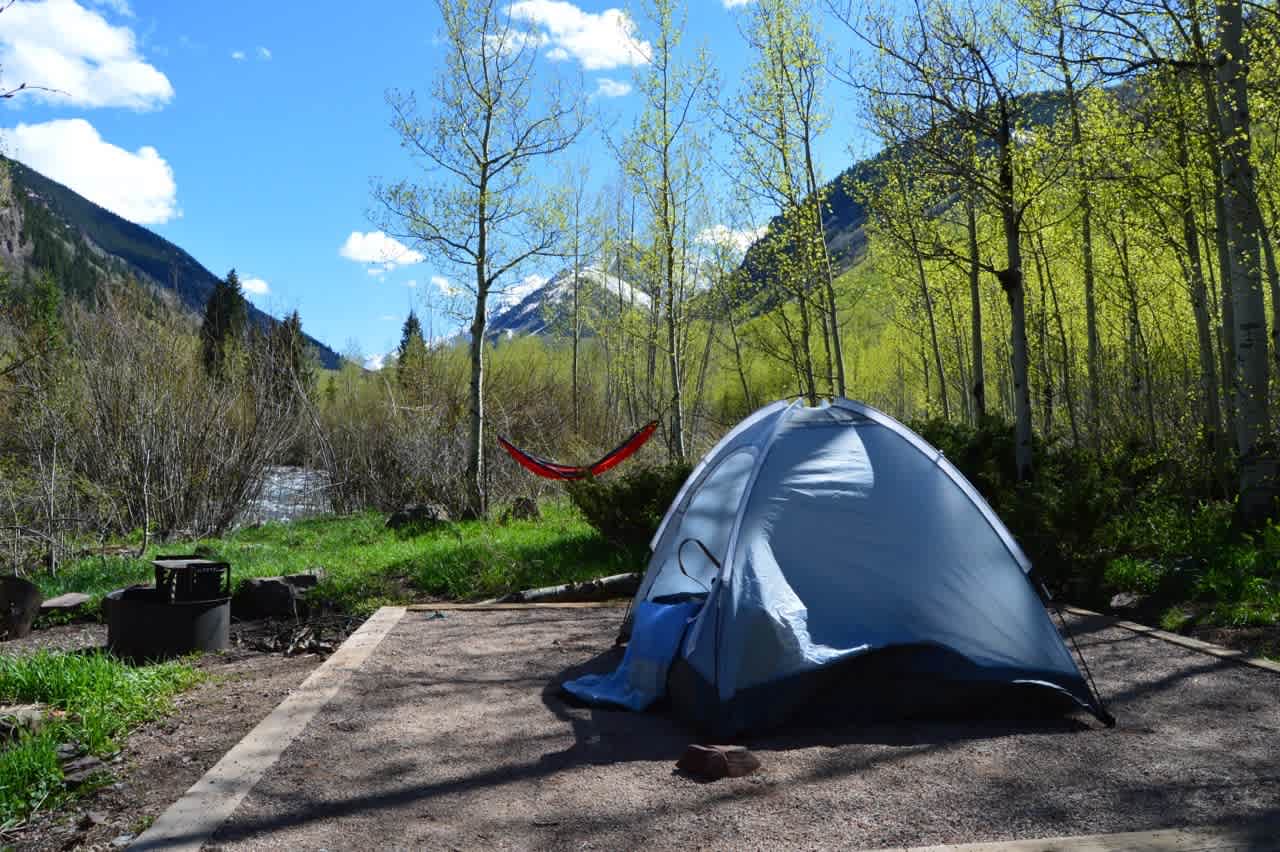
1129,574
1174,619
627,509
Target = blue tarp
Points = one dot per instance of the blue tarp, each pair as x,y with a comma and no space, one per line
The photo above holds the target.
641,678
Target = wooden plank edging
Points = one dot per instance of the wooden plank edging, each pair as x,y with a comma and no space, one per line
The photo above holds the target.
1223,653
453,606
1236,838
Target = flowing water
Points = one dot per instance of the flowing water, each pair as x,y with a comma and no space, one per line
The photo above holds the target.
289,494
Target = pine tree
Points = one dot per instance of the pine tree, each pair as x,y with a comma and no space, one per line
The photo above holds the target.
411,331
411,355
293,360
226,316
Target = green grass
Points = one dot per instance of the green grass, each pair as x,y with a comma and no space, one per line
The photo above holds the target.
103,699
367,565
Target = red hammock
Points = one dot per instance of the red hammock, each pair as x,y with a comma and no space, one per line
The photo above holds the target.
552,470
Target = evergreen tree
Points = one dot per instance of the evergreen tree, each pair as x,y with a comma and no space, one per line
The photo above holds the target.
411,355
226,315
292,358
411,331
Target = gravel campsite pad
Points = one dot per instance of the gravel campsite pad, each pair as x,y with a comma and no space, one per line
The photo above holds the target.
453,734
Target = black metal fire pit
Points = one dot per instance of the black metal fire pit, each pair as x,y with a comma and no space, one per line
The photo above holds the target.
188,609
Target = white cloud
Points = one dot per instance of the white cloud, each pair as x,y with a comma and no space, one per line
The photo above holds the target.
237,55
610,88
61,45
264,54
389,318
120,7
137,185
599,41
444,285
411,283
376,247
256,286
734,4
375,362
723,236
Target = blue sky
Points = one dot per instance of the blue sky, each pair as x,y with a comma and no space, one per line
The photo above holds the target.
248,133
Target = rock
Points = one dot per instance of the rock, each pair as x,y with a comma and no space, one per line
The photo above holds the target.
272,597
16,718
522,509
66,751
1127,600
69,601
715,762
309,580
78,771
122,841
19,605
89,819
424,515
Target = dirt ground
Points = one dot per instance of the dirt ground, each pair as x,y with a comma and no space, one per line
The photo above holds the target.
159,761
454,735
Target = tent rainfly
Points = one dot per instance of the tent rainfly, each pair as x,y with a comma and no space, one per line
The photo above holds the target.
833,549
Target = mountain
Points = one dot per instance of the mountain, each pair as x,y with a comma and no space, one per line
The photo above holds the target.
845,216
56,229
548,307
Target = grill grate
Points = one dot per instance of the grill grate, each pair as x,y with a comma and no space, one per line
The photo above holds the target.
191,578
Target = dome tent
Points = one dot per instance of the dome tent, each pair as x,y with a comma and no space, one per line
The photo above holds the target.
836,549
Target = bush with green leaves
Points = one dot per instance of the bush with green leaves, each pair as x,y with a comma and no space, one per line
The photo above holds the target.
1130,574
627,509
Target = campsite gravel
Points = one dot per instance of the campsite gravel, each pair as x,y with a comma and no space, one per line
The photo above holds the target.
454,735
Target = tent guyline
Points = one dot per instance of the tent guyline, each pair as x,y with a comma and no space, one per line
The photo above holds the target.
564,472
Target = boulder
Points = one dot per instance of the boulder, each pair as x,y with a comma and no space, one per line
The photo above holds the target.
522,509
274,597
19,605
424,515
82,769
309,580
1127,601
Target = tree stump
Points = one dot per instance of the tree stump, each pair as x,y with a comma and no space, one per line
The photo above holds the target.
19,605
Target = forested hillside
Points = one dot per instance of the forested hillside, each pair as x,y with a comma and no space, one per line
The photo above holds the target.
82,244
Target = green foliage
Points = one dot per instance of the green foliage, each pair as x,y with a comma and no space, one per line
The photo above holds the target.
627,509
1174,619
100,698
1139,576
223,328
367,565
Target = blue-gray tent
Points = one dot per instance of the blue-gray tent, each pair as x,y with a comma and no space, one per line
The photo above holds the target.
830,547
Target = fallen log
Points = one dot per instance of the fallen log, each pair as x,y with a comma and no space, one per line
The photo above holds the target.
600,589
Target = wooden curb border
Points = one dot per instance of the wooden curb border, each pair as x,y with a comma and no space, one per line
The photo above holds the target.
515,607
1246,838
189,822
1242,657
